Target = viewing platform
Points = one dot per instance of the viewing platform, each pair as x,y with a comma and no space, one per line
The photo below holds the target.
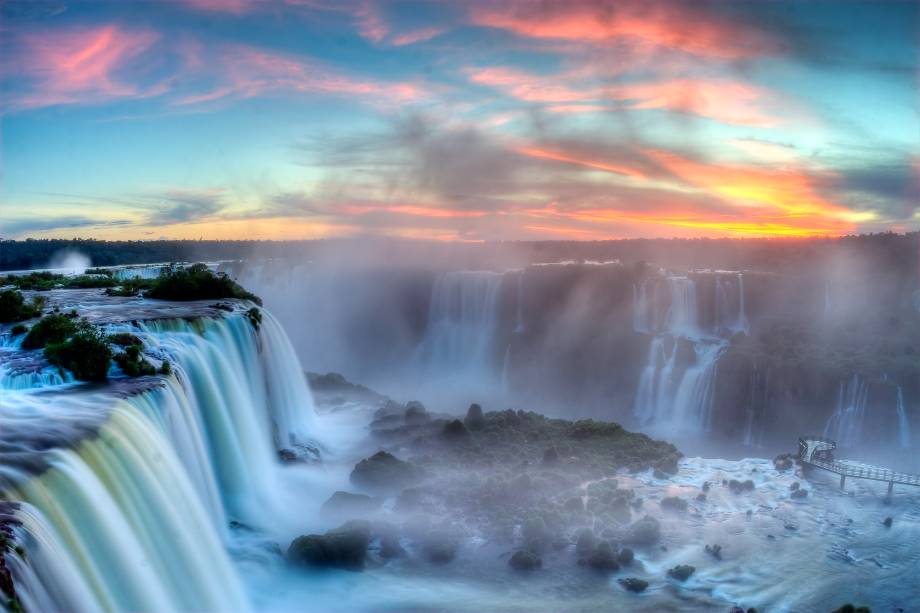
819,452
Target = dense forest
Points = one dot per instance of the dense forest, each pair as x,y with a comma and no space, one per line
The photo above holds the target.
885,251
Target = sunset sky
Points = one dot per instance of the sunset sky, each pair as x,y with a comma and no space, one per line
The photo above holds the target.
458,120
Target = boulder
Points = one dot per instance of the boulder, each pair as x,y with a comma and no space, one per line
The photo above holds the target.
784,462
681,572
348,505
887,523
799,493
474,419
738,487
455,431
715,551
626,556
383,472
634,584
534,531
585,542
345,547
646,531
851,608
603,558
416,415
440,550
673,503
525,560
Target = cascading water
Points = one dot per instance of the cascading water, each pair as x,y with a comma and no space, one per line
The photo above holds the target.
730,314
641,308
133,515
845,425
459,342
903,425
683,319
675,389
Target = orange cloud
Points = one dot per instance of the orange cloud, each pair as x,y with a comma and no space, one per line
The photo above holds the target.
531,88
79,65
560,156
682,26
789,190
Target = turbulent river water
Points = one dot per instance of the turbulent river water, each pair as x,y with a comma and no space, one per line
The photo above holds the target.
167,493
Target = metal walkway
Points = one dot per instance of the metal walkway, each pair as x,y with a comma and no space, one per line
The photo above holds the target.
819,452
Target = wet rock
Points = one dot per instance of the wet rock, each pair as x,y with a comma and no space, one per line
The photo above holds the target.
681,572
701,497
383,472
525,560
626,556
474,419
795,485
440,550
737,487
585,542
715,551
345,547
784,462
646,531
534,531
390,546
851,608
887,523
348,505
706,486
550,457
603,558
455,431
673,503
416,414
799,494
634,584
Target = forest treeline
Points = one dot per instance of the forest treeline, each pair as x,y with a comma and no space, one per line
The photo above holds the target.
896,253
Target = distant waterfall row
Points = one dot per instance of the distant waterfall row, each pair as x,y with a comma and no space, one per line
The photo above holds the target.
135,518
847,424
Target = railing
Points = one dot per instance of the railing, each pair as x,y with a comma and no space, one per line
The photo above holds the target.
811,445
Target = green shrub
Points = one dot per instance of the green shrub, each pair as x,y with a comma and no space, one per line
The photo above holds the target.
130,287
100,271
196,283
132,364
86,354
18,329
13,307
165,368
41,281
88,281
124,339
53,328
255,317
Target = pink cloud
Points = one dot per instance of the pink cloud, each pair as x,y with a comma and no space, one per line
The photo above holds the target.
681,26
79,66
247,72
532,88
417,36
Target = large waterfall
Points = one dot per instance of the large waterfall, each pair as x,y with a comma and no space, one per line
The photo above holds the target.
130,510
903,425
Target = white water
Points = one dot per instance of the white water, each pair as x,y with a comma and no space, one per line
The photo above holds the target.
135,519
903,425
459,341
683,318
641,308
845,425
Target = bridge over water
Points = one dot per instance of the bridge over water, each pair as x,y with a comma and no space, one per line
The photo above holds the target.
819,452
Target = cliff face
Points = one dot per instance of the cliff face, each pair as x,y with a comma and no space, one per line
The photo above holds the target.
746,357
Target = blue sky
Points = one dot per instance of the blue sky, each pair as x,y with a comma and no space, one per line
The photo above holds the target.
458,121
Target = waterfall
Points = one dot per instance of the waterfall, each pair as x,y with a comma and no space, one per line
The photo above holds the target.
845,424
519,323
682,314
730,319
743,324
153,476
755,420
462,324
681,403
641,307
903,425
